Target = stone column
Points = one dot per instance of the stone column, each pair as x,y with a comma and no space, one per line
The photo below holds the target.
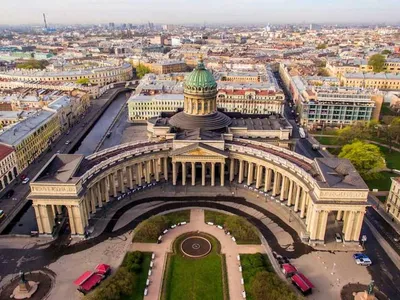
246,169
241,171
222,174
174,173
203,173
303,204
139,174
323,219
314,225
268,177
113,185
93,199
310,212
339,215
297,199
148,171
283,187
130,177
232,170
276,182
259,176
38,218
71,219
213,174
250,173
166,168
357,225
193,173
157,167
183,173
78,218
290,195
349,226
98,193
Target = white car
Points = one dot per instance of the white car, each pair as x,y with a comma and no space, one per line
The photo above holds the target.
361,259
25,181
67,142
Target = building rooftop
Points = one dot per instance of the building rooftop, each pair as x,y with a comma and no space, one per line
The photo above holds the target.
14,135
5,151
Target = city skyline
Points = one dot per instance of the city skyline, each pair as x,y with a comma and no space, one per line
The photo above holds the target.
234,12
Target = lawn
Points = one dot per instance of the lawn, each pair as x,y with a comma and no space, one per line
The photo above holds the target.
243,231
149,230
188,278
327,140
392,158
382,198
382,183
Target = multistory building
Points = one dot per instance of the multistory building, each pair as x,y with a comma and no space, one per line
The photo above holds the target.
393,199
8,166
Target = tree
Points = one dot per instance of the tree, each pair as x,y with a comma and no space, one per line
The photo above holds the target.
321,46
323,72
150,229
386,52
83,81
241,229
268,286
142,70
358,131
390,128
377,61
33,64
366,158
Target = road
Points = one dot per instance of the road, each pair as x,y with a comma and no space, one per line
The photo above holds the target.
21,190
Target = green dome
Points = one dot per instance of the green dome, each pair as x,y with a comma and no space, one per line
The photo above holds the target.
200,79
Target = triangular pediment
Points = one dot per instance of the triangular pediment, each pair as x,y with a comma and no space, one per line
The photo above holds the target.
199,149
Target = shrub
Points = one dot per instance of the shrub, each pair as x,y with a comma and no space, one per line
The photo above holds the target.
268,286
150,229
241,229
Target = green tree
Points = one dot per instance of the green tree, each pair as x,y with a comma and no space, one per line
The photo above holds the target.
390,128
33,64
142,70
84,81
323,72
321,46
366,158
377,61
241,229
358,131
150,229
386,52
268,286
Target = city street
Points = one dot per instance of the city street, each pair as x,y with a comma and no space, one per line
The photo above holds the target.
76,133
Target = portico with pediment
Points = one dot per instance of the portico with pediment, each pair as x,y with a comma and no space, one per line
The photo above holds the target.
198,156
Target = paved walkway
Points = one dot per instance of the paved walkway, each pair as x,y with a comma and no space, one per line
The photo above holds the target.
228,247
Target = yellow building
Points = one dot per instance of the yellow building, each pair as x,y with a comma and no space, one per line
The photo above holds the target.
382,81
31,136
393,200
8,166
390,66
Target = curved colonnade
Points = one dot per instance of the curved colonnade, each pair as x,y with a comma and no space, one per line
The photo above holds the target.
101,177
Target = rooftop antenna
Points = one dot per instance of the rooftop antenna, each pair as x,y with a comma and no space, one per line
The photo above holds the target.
44,19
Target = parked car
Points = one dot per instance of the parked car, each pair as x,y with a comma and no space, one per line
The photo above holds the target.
361,259
67,142
1,214
338,237
25,181
397,239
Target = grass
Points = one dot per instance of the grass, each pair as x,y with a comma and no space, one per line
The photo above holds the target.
327,140
142,277
188,278
236,230
392,158
382,183
149,230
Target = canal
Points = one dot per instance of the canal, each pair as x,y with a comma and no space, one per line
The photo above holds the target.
25,221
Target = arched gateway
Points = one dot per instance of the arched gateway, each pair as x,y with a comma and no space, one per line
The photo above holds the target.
195,148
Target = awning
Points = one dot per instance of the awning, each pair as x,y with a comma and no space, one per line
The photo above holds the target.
288,268
83,278
91,282
302,282
102,268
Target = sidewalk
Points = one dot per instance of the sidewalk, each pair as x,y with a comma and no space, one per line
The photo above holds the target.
228,247
382,212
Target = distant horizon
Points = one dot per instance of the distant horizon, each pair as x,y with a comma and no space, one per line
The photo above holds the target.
92,12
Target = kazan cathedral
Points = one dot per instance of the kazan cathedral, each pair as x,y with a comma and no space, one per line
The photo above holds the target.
203,146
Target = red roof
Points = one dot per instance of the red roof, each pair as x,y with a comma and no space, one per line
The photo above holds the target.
83,277
288,268
302,282
102,268
91,282
5,151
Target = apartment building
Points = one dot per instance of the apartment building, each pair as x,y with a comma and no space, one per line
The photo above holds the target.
393,199
382,81
8,166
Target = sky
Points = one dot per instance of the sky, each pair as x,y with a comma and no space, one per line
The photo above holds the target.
14,12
